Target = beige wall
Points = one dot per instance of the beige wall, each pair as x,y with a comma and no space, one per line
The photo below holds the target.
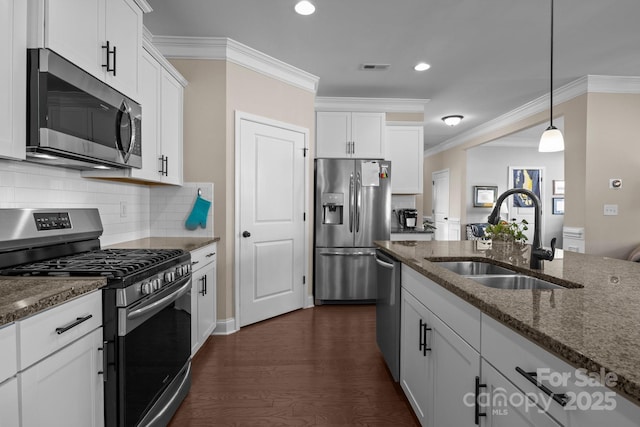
216,90
612,151
601,133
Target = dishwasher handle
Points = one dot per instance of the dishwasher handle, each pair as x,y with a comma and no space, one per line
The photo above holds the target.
384,264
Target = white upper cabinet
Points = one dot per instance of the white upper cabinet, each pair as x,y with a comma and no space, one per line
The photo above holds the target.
103,37
342,134
405,151
13,71
161,95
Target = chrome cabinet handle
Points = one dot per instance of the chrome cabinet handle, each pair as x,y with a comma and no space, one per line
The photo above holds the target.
125,111
79,320
358,200
164,301
384,264
347,254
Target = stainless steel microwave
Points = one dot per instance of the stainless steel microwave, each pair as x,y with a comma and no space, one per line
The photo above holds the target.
77,121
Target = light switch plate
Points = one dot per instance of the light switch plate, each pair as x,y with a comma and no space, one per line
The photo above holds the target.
610,210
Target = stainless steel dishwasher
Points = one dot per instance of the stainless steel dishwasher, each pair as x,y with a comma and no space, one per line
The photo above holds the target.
388,311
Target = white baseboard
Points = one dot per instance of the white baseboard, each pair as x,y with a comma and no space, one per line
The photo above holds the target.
225,327
309,302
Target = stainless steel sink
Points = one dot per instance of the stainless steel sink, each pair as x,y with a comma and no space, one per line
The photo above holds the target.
473,268
514,281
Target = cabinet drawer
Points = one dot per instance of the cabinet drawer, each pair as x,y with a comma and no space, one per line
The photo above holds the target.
587,405
49,331
456,313
8,352
203,256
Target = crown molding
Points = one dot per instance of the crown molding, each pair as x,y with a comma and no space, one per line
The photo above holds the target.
384,105
147,44
581,86
142,4
226,49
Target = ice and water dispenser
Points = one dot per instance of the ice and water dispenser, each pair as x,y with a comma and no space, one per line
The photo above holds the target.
332,208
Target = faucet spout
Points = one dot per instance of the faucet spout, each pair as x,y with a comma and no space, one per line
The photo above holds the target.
538,253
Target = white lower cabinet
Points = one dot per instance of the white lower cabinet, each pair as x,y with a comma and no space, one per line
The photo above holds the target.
60,365
437,367
9,409
65,389
503,405
203,295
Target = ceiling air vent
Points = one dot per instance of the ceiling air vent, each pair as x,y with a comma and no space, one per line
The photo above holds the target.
374,67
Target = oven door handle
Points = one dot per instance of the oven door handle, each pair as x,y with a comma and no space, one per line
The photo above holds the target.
160,303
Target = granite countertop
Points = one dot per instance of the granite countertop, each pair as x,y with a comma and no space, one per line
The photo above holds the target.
410,230
186,243
23,296
592,327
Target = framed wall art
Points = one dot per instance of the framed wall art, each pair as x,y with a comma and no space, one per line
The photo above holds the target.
484,196
557,205
558,187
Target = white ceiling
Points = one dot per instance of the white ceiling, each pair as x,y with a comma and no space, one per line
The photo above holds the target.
487,56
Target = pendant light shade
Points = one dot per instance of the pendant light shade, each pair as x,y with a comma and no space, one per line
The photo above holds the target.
551,139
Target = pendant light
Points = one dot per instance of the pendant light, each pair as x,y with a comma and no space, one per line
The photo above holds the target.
551,139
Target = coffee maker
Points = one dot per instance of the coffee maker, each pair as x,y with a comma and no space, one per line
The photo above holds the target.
408,218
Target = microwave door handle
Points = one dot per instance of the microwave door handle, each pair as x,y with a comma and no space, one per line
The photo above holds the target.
123,111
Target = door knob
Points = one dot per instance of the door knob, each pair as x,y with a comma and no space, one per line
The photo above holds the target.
446,218
246,234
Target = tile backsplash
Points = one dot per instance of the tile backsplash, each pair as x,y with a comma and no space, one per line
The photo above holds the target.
170,207
128,211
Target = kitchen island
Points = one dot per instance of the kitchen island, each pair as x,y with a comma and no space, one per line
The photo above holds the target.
591,324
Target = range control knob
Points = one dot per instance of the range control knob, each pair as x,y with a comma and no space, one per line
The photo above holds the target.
187,268
169,276
156,284
179,271
146,288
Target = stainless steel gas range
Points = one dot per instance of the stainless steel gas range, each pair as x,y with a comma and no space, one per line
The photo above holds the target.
146,306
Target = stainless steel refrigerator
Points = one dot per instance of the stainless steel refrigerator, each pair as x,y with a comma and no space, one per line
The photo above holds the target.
352,210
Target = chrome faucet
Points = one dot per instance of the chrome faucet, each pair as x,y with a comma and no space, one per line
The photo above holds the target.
538,253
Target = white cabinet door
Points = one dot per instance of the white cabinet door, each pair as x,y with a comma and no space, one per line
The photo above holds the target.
367,134
123,30
350,135
455,367
414,358
150,72
503,405
333,134
404,146
74,29
13,69
171,94
79,31
65,389
9,412
203,295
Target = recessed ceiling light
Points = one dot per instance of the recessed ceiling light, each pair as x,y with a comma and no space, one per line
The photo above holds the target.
305,7
422,66
452,120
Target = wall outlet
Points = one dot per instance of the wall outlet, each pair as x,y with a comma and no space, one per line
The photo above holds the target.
610,210
615,183
123,209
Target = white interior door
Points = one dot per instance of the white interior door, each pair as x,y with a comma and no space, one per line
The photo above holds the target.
271,224
520,207
440,204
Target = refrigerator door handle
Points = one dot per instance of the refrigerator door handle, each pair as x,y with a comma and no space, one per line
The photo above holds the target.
358,200
347,254
351,203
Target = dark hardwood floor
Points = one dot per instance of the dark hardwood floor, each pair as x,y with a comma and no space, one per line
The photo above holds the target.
313,367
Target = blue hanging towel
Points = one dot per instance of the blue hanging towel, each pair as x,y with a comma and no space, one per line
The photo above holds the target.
198,215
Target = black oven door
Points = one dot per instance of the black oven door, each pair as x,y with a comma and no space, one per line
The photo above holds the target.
154,351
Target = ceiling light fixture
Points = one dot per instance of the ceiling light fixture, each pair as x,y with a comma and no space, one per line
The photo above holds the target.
305,7
551,140
452,120
422,66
